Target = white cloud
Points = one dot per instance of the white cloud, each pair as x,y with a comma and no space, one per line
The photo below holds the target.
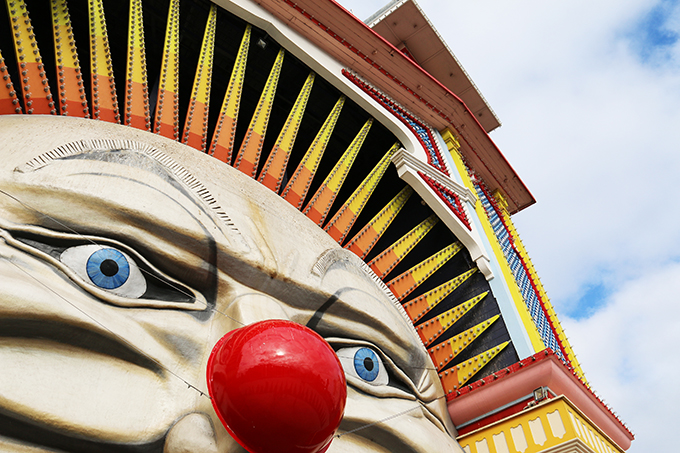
593,128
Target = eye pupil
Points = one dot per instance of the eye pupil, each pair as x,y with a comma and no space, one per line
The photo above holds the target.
109,267
368,364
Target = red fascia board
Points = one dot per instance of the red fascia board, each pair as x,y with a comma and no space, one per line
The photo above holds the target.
321,13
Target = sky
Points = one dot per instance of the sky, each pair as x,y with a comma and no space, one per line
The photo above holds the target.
589,97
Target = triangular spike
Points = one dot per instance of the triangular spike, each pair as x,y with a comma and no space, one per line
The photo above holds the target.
166,122
9,103
248,156
404,284
455,377
298,186
72,99
430,330
323,199
421,305
443,353
136,88
344,219
104,99
35,89
273,170
196,124
222,142
364,240
390,257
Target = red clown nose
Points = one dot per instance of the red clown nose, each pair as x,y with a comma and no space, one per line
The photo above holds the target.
278,387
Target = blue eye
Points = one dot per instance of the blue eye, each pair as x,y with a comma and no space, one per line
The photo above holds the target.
108,268
366,364
363,363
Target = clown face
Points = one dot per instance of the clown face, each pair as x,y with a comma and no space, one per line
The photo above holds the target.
125,257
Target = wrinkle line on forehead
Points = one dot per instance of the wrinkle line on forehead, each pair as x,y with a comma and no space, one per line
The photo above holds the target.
334,255
180,173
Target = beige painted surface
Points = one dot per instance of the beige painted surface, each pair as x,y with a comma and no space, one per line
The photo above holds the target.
94,366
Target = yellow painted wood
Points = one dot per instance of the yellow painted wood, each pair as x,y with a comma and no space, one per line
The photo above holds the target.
104,98
444,353
137,112
196,124
364,240
325,195
72,99
344,219
431,330
298,185
404,284
459,374
249,155
390,257
423,304
275,166
222,144
34,87
167,104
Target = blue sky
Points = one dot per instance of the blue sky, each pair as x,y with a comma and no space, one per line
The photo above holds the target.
589,96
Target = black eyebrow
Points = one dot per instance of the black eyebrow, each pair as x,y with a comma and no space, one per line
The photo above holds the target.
318,314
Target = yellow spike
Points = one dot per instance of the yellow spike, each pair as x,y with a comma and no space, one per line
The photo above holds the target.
298,186
364,240
344,219
430,330
443,354
273,170
35,89
136,88
457,376
167,119
389,258
196,129
323,199
404,284
420,306
72,101
222,145
104,99
249,155
9,103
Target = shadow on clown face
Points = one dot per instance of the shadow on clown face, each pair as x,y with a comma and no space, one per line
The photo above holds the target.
124,262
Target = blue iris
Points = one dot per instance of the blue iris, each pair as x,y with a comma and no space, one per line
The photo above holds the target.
108,268
366,364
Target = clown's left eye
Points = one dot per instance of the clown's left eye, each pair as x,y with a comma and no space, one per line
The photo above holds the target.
363,363
107,268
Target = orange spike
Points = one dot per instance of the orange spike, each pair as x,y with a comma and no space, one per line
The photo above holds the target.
34,86
167,113
364,240
104,99
298,186
430,330
443,353
420,306
223,143
72,100
136,89
249,155
390,257
344,219
323,199
9,103
404,284
457,376
196,129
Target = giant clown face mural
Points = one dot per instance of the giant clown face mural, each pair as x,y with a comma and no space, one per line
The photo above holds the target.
236,284
90,364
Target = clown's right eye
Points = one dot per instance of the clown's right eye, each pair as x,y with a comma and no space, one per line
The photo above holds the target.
363,363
